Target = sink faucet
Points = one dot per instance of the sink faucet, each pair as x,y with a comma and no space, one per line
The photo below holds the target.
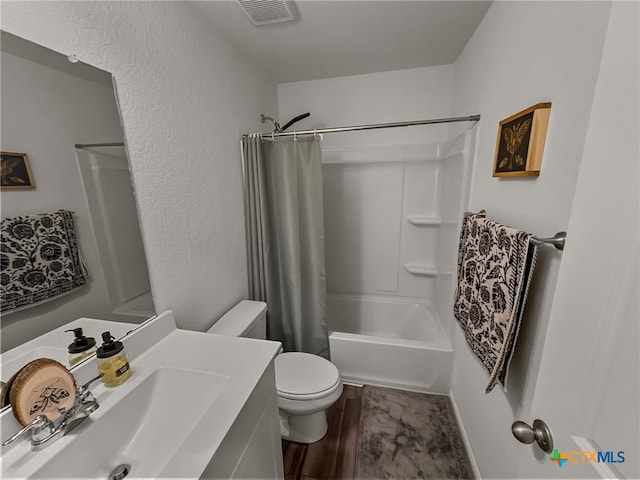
44,431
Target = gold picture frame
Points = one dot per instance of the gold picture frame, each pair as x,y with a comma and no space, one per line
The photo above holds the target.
520,142
15,172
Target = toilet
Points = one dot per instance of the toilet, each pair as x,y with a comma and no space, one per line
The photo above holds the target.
306,384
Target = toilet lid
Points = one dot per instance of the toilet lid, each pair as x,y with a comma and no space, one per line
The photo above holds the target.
300,373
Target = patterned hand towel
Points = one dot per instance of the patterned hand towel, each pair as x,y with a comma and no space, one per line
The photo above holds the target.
495,264
40,259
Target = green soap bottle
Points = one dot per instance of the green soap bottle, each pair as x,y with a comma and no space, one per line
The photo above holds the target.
113,362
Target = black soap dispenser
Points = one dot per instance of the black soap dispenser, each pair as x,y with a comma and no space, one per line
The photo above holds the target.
113,362
81,347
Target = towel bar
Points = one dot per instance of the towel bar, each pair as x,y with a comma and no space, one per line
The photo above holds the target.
558,240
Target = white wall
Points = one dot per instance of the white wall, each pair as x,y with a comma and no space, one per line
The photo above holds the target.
396,96
186,96
44,113
372,181
368,238
521,54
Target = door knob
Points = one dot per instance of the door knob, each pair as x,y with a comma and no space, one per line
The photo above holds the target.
539,433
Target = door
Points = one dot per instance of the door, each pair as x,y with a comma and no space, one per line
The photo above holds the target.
587,388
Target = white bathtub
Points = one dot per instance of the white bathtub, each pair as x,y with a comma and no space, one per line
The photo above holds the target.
385,341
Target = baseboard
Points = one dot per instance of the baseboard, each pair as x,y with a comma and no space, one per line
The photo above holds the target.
465,439
360,382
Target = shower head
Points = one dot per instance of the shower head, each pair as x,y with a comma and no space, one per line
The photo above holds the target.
294,120
276,125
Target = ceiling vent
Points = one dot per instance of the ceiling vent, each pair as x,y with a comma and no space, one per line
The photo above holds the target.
263,12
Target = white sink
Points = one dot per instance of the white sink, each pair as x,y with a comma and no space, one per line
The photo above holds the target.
144,429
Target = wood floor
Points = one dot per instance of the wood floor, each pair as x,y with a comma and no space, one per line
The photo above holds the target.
335,455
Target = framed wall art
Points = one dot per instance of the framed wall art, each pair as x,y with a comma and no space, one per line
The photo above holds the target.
520,142
15,172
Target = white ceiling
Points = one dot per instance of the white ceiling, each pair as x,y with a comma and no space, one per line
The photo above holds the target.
336,38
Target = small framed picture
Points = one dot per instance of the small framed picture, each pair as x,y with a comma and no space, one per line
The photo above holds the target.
16,174
520,142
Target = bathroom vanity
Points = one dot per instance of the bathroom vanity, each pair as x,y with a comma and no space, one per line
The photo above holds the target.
197,406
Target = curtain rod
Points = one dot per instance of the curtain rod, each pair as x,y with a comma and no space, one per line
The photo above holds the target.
317,131
89,145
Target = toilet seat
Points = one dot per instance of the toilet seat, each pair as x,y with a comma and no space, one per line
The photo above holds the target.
304,376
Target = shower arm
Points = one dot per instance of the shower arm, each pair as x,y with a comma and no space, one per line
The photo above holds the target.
276,125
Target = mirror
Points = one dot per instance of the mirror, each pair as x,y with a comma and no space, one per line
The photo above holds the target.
49,104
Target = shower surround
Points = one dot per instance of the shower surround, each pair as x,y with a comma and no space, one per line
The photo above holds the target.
392,218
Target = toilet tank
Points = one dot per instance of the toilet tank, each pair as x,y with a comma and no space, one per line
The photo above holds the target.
247,319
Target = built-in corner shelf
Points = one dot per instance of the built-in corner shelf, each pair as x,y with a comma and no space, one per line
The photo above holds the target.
424,221
421,269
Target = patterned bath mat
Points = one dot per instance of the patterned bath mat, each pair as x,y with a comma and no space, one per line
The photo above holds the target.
409,435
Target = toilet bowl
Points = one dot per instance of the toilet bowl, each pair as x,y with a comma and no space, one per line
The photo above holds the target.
306,384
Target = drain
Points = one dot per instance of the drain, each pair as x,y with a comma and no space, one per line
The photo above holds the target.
120,472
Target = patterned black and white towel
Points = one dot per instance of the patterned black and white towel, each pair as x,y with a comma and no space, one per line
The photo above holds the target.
39,259
495,264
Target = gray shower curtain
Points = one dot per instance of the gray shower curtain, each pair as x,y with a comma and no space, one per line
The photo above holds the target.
285,239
